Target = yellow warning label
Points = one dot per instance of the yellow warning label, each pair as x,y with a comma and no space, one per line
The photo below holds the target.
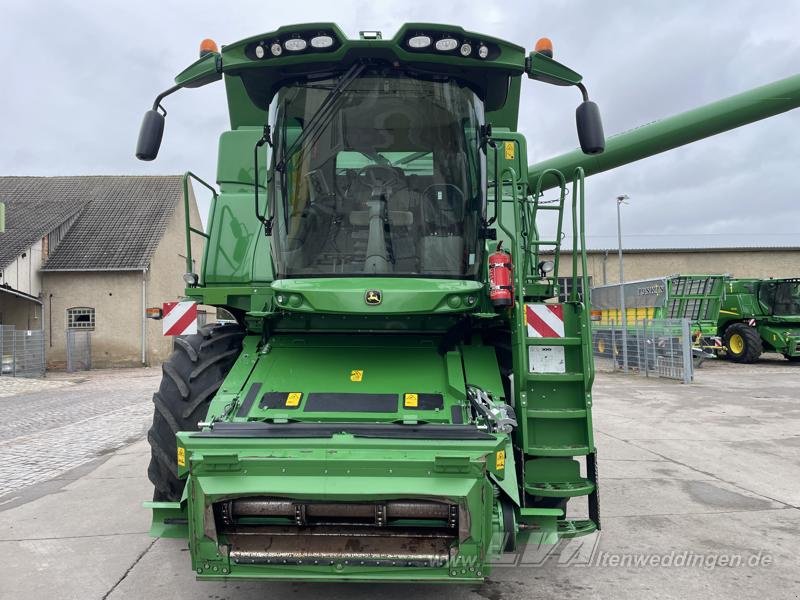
356,375
411,401
181,457
508,149
293,399
500,460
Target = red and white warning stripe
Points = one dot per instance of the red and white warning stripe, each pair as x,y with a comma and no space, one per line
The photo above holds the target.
179,318
545,320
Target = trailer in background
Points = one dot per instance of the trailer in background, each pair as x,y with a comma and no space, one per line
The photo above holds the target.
697,298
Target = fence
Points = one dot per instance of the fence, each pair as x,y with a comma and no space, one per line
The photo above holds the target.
651,347
79,350
21,352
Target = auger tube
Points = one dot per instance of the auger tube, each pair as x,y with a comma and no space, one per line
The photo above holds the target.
675,131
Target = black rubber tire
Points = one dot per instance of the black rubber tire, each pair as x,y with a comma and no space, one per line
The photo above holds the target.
752,343
191,376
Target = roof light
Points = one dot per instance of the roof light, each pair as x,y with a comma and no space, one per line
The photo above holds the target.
295,44
276,49
544,46
419,41
207,46
370,35
446,44
483,51
466,50
322,41
259,51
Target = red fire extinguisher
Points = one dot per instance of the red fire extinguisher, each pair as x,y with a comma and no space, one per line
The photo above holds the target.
501,288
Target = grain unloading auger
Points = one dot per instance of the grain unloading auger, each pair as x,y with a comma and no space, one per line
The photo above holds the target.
395,400
672,132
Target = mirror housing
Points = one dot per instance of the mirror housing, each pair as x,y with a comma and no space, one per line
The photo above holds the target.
150,135
590,128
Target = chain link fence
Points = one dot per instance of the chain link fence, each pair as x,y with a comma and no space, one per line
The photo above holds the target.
650,347
79,350
21,352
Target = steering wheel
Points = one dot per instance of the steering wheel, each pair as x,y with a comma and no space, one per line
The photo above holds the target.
378,177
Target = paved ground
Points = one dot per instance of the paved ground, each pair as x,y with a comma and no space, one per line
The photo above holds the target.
705,474
56,424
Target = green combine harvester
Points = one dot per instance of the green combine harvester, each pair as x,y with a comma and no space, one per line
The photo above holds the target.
402,396
761,315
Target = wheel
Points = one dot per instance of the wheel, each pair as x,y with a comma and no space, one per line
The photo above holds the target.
743,343
191,376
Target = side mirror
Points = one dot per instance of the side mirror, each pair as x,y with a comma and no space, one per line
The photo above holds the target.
150,135
590,128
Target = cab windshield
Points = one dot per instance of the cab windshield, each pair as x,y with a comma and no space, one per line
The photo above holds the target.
783,297
386,180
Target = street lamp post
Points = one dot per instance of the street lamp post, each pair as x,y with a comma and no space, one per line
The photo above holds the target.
624,317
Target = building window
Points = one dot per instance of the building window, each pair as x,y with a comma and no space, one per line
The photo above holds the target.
80,317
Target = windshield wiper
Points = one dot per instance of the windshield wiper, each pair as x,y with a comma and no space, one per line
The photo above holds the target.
320,118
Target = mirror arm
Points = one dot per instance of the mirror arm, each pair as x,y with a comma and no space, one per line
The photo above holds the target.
583,90
157,102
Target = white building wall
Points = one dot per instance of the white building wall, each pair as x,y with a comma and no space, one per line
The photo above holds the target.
23,273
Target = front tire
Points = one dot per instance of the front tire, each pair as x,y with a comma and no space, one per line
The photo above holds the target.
743,343
191,376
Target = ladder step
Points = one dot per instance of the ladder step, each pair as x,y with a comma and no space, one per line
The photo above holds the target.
549,207
575,528
560,489
556,413
544,243
557,450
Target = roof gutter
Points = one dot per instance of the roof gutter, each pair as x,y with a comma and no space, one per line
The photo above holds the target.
22,295
90,270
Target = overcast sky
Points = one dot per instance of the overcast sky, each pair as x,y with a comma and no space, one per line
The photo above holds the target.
79,75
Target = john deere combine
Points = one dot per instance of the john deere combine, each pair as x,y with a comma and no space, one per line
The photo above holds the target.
761,315
402,397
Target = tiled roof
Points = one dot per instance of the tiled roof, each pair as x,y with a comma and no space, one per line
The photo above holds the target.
120,222
35,206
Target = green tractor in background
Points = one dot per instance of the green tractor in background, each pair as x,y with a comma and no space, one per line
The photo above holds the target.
761,315
402,396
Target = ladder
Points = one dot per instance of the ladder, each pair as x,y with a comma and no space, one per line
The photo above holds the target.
553,360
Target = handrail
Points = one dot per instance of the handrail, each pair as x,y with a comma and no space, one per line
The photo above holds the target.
187,216
519,274
578,237
532,212
579,245
498,197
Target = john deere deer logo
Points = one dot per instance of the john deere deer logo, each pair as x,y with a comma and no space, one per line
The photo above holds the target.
373,297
